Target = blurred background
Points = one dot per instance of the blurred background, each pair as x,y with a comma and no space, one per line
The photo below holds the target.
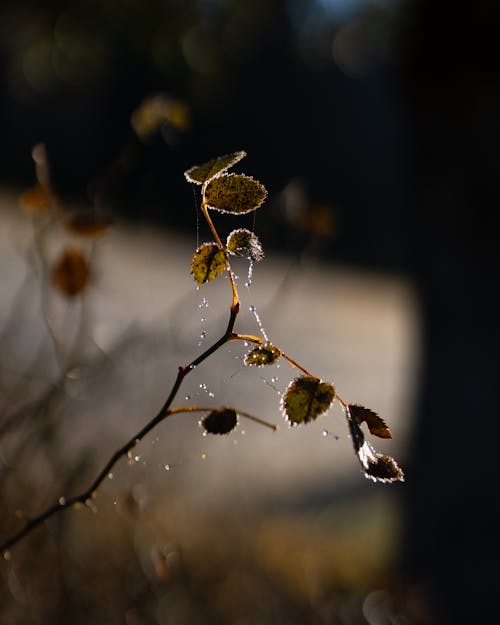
374,125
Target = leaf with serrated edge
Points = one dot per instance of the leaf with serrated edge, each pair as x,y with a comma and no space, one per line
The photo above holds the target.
243,242
234,193
208,262
220,421
383,468
306,398
201,173
262,355
376,424
376,467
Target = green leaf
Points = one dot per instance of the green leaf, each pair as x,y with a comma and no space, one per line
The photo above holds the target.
262,355
376,424
201,173
220,421
234,193
208,262
306,398
243,242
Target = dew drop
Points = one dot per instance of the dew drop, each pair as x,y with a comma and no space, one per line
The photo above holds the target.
167,467
203,456
325,432
248,283
62,501
6,555
137,458
203,319
243,432
245,343
253,309
187,397
211,394
274,380
110,476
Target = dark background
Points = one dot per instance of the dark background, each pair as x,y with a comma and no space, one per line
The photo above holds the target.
386,113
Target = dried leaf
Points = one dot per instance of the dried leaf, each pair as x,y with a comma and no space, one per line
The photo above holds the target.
35,200
220,421
376,424
201,173
377,467
157,111
383,468
71,273
243,242
234,193
262,355
87,224
208,262
306,398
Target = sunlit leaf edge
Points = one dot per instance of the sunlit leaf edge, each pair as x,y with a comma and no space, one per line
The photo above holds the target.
323,394
208,262
200,174
236,194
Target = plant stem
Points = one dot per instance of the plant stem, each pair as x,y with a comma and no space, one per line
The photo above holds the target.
164,412
208,219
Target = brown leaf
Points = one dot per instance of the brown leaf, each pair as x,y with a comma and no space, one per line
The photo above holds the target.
376,424
87,224
71,272
35,200
383,468
220,421
202,173
234,193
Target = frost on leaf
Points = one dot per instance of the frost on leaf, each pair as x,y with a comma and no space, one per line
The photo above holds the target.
234,193
306,398
377,467
243,242
201,173
208,262
262,355
220,421
71,273
376,424
383,468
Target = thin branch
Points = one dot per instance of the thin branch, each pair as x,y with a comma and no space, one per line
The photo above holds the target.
250,338
165,411
208,219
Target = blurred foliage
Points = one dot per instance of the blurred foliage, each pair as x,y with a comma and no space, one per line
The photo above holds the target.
304,85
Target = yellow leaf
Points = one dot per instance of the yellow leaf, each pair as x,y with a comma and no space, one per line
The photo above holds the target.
306,398
243,242
208,262
262,355
234,193
201,173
